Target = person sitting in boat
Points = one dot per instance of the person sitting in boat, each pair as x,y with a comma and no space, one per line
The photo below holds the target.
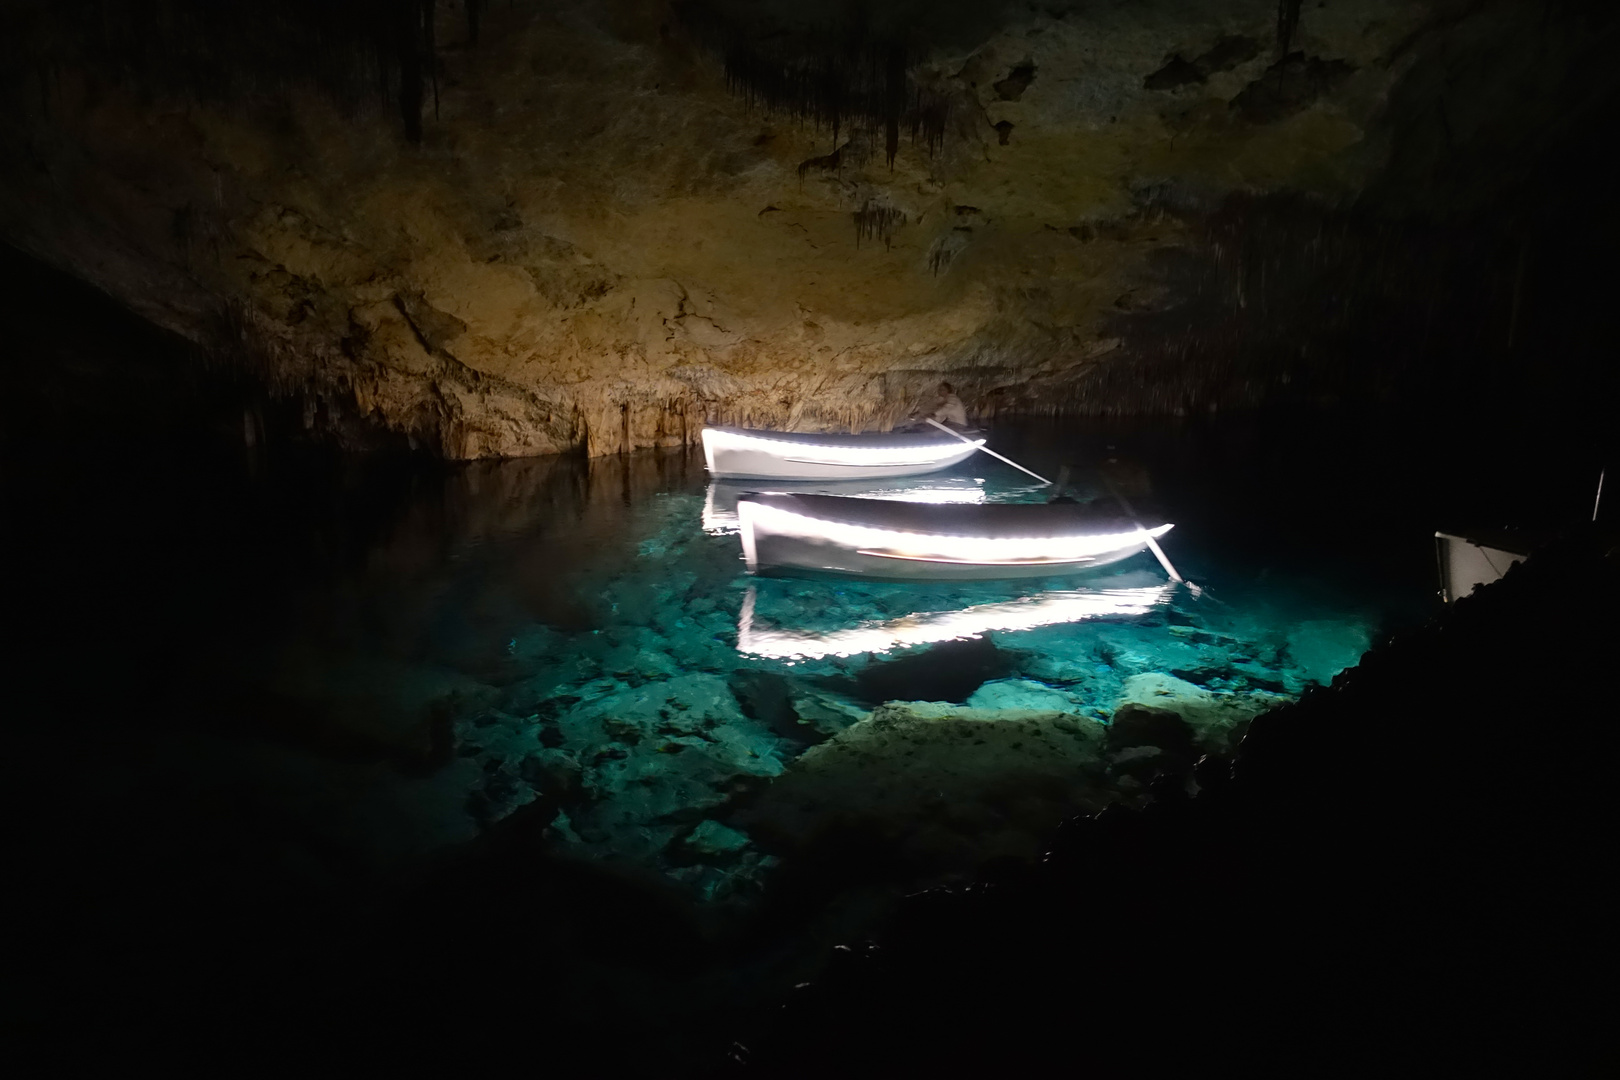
946,408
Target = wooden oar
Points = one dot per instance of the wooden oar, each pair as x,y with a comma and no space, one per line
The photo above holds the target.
986,449
1153,545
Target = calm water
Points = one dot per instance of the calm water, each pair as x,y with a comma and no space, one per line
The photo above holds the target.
252,670
248,684
273,671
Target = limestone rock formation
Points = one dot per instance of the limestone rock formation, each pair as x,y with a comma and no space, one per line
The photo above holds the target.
1216,721
938,785
571,232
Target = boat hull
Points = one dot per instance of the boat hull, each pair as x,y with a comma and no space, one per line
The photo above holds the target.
1469,560
720,500
797,535
741,454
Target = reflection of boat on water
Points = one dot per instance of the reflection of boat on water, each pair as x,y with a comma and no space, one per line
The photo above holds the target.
1045,609
720,502
829,534
783,455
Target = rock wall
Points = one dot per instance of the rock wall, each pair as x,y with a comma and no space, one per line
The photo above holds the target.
592,227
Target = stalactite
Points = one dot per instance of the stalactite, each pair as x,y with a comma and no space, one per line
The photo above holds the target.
894,103
356,53
408,40
430,46
833,162
876,220
1287,24
840,79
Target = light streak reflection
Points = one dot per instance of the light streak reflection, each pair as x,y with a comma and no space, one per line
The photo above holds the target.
924,628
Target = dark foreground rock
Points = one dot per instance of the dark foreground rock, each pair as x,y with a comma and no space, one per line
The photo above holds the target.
1392,870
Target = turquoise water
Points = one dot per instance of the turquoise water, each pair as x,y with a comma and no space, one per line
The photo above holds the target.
378,662
591,646
695,676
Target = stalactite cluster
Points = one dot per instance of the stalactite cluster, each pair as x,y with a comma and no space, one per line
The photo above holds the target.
1287,24
841,79
1299,302
358,53
832,163
874,219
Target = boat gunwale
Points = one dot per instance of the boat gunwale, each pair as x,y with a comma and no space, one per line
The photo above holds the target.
915,440
904,517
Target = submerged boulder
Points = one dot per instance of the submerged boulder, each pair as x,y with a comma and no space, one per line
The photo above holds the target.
1144,741
1321,648
1020,694
1215,721
939,787
713,838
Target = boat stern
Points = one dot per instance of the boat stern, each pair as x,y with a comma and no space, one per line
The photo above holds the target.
708,448
747,511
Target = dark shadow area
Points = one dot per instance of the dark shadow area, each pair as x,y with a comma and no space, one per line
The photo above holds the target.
1326,902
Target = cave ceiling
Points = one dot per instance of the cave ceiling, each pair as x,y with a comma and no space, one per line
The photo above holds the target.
508,228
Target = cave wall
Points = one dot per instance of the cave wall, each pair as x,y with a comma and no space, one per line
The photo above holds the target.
534,226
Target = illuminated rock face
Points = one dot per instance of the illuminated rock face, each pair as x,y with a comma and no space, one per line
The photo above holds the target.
597,244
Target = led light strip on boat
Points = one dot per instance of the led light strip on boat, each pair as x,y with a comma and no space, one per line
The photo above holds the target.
866,456
717,518
926,628
892,543
876,554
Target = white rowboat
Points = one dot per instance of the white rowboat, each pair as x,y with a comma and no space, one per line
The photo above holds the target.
741,453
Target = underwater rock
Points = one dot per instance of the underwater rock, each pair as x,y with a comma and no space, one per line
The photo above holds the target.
501,794
553,774
1213,718
643,798
713,838
1167,692
1182,650
640,664
768,697
707,651
1050,667
1020,694
536,645
687,704
1321,648
939,788
949,671
1145,741
828,713
633,764
1339,889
